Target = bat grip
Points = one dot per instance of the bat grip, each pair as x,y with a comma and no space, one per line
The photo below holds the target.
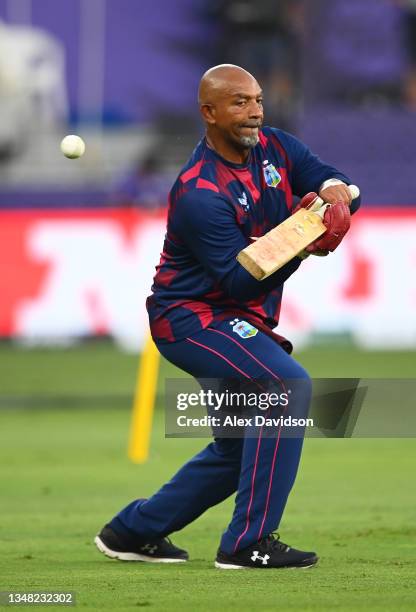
319,206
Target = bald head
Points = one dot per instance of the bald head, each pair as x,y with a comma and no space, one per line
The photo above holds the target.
231,105
222,80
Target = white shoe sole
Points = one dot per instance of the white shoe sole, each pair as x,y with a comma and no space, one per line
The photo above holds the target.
125,556
229,566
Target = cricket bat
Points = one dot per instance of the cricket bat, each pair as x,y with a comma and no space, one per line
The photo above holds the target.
273,250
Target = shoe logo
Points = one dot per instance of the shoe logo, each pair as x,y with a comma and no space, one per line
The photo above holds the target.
244,202
149,548
256,555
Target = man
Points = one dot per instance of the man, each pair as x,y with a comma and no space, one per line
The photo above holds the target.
209,317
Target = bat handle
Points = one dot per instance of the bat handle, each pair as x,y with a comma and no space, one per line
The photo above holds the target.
354,191
319,206
320,211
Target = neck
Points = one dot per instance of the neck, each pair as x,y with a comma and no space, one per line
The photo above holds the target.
227,150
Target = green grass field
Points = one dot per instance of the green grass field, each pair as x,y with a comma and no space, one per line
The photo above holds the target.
64,418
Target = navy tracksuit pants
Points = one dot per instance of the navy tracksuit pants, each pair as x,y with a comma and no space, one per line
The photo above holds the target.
260,469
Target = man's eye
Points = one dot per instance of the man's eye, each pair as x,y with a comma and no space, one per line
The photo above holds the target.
241,102
260,101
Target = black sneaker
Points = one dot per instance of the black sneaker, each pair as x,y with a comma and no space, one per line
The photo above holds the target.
269,552
127,548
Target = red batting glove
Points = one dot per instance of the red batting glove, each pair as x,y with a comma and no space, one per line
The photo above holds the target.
306,201
337,219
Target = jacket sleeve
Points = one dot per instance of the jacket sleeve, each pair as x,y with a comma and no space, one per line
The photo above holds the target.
308,171
206,223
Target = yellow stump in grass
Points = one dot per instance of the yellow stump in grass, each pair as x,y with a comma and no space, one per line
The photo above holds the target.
144,401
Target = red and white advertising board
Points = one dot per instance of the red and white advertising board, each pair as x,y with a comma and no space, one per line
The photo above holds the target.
65,274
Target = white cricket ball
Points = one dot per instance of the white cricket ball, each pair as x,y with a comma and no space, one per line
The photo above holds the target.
72,146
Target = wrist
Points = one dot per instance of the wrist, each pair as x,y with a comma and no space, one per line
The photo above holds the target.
329,183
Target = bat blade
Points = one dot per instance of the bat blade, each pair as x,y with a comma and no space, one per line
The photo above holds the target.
286,240
281,244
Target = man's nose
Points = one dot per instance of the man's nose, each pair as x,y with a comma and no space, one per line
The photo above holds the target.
255,110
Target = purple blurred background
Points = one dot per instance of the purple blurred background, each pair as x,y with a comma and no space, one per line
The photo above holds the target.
125,60
124,74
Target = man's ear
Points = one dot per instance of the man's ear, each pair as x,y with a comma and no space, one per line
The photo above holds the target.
208,113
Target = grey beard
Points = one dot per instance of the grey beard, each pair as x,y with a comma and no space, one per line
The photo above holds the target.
249,141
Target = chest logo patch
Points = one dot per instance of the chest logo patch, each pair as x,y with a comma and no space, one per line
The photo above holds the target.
271,175
244,329
244,202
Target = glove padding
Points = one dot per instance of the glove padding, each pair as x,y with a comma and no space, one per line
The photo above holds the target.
306,201
337,220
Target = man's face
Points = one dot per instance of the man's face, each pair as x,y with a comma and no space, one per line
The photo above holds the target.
238,112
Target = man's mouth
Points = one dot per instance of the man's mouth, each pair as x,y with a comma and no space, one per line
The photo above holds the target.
249,130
